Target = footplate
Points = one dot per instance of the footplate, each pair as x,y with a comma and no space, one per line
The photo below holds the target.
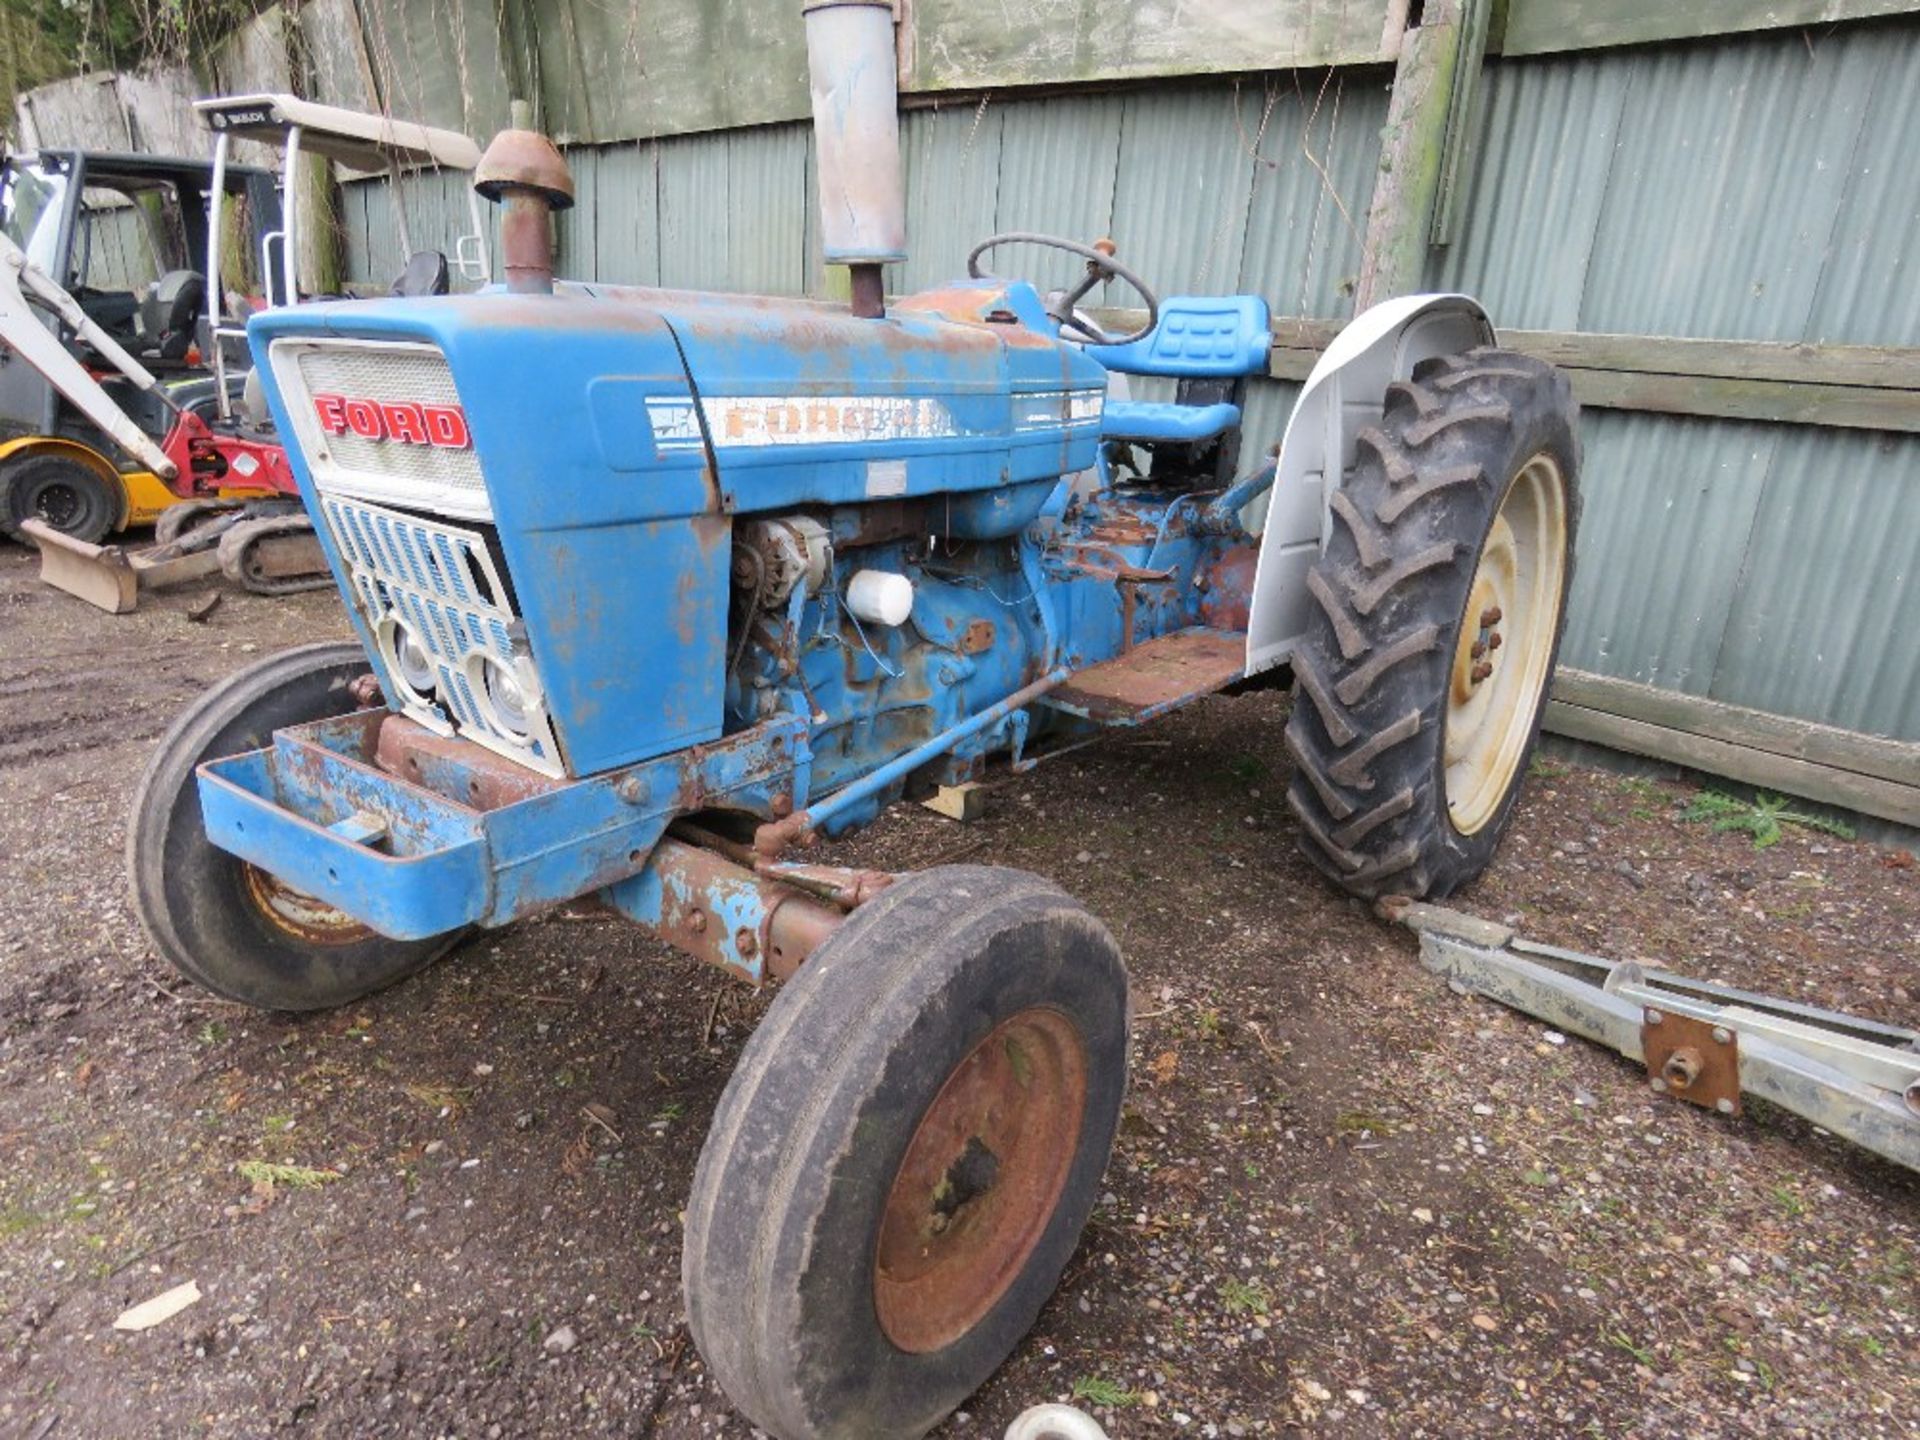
1154,677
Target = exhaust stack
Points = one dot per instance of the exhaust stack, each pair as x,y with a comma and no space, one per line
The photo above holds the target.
523,172
856,127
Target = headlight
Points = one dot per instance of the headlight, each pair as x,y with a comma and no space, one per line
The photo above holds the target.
411,662
505,698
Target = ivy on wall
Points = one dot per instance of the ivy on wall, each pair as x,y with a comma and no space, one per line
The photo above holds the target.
44,40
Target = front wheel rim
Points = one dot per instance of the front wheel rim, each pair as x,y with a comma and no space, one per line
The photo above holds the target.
1505,649
58,506
298,913
980,1180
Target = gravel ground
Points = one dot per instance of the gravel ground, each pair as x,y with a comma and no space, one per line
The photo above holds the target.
1345,1200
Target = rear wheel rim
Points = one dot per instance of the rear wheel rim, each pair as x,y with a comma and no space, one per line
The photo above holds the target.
980,1180
1505,650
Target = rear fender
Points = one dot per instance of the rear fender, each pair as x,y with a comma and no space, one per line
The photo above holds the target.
1342,396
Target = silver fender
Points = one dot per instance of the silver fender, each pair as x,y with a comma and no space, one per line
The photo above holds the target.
1343,395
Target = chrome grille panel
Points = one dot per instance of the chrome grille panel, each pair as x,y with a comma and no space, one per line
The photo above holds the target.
419,476
440,581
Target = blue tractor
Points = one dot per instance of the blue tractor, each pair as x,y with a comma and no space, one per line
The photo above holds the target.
652,588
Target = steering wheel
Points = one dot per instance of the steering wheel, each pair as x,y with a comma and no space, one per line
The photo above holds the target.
1101,267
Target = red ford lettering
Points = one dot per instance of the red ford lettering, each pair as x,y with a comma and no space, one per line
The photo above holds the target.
406,422
447,427
363,418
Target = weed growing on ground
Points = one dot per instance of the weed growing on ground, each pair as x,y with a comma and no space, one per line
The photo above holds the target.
1358,1124
1242,1297
1760,817
294,1177
1620,1341
1098,1390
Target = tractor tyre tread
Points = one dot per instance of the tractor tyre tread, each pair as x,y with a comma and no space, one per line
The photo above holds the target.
1387,598
180,881
807,1120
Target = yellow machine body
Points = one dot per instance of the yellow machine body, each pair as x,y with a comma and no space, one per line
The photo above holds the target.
143,494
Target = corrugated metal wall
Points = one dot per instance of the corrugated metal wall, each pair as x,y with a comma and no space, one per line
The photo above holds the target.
1757,187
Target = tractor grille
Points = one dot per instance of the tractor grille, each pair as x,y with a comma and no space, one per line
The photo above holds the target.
430,477
441,583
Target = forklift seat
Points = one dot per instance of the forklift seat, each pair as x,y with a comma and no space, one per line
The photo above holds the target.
425,274
169,314
1198,338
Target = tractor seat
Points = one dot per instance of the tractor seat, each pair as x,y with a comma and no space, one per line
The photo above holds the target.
1151,422
1205,338
1198,337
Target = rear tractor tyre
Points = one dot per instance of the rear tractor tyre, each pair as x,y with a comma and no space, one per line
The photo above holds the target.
223,923
905,1156
1438,605
61,493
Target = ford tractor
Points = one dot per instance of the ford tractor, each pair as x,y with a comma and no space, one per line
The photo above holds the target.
652,588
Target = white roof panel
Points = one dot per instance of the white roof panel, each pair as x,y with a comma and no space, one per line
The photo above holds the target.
354,138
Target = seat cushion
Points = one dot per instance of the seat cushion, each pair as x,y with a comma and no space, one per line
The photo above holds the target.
1148,420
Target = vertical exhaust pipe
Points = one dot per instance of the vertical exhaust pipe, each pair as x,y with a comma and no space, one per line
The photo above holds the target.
856,128
525,173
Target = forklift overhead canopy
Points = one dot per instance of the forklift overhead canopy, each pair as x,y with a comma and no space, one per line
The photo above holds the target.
357,140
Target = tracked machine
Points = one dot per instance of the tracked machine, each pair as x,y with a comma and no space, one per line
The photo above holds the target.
653,588
104,390
135,403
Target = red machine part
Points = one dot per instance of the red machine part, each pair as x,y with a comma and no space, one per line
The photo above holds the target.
210,461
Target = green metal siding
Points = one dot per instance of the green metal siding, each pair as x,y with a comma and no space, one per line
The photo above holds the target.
1822,621
1757,188
1669,502
954,169
1760,187
624,218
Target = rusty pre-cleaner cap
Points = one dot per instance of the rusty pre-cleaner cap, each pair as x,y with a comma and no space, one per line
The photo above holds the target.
524,160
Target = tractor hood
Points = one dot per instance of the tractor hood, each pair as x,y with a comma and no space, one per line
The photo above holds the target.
784,402
581,456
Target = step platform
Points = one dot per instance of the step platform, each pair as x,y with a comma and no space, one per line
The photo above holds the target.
1152,678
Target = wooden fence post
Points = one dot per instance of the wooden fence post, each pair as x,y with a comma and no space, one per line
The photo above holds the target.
1413,154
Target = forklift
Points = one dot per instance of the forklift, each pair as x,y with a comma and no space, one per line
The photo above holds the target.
126,236
208,440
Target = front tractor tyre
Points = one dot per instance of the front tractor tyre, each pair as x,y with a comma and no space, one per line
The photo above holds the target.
223,923
1437,609
905,1156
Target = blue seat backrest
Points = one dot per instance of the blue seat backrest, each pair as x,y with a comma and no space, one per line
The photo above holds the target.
1199,337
